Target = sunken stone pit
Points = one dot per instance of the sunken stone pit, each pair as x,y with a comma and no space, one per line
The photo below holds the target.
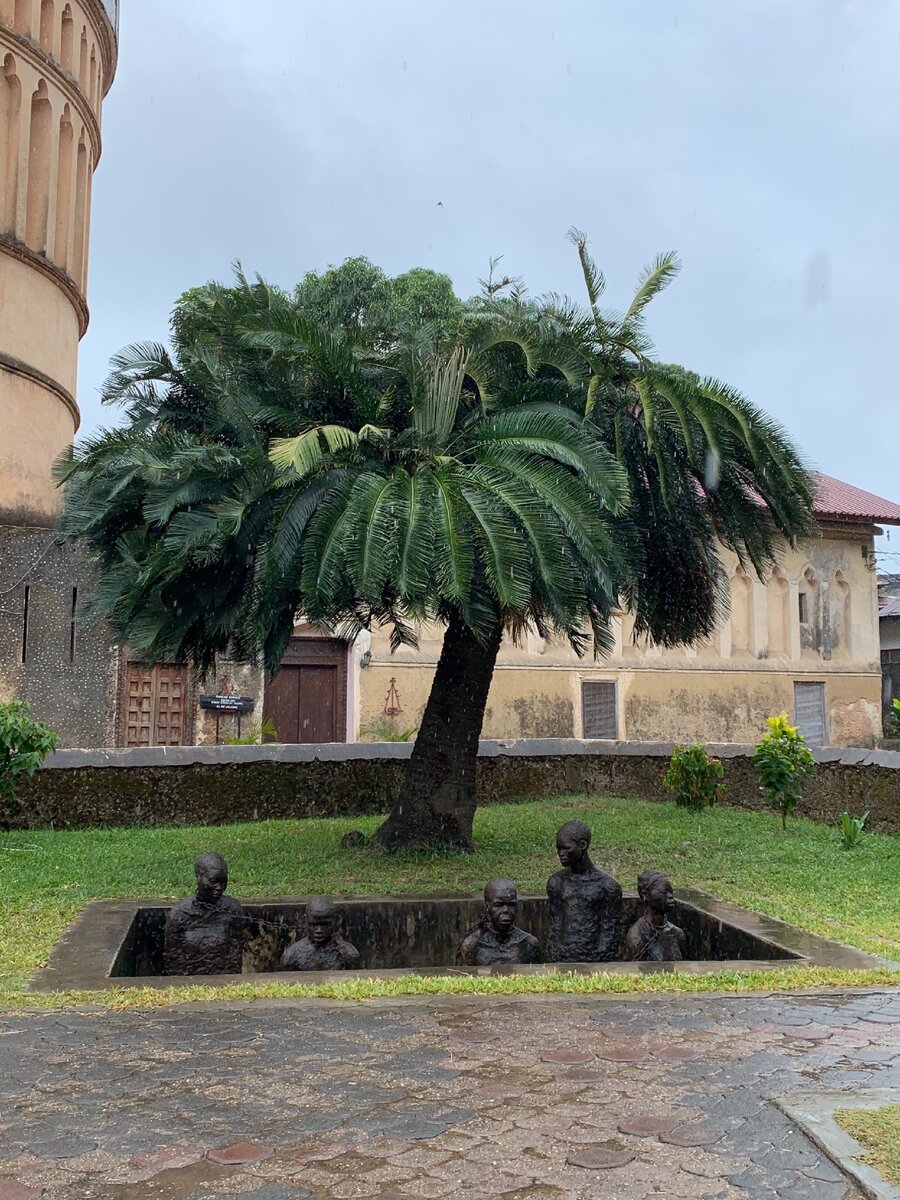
120,943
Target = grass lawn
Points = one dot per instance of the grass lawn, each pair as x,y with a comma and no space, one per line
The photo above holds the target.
878,1129
803,876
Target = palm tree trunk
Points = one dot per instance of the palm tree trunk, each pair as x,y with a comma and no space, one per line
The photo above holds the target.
436,804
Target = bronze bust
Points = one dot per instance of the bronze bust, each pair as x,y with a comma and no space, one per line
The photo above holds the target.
585,904
204,934
498,939
653,937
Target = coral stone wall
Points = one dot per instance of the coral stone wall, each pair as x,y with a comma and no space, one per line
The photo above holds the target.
215,785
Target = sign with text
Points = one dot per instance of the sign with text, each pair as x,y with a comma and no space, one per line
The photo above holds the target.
232,704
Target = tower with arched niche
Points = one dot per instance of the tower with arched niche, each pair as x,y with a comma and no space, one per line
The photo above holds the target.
57,62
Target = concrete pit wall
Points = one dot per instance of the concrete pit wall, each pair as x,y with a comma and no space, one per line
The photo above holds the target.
78,789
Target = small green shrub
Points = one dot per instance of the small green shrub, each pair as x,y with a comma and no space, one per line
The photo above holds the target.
384,731
851,829
783,762
894,719
695,777
256,735
24,744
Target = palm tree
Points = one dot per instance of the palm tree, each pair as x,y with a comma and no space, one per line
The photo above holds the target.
706,468
449,478
494,467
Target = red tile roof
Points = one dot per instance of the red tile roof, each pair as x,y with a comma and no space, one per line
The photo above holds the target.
839,501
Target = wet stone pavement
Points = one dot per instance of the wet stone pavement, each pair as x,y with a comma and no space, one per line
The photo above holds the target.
539,1099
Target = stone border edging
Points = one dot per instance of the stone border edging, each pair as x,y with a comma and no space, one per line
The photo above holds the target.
183,756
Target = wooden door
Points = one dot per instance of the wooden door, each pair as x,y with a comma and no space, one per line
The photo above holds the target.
155,705
307,699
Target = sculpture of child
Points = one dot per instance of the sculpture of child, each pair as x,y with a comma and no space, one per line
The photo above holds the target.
323,949
653,937
498,939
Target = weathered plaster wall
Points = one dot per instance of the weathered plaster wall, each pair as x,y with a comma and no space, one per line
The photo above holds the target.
212,785
722,690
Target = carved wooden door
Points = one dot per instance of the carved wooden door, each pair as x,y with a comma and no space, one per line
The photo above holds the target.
155,699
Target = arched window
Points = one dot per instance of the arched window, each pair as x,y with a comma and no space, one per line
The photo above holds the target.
67,41
93,90
64,190
38,205
778,614
741,618
10,133
48,25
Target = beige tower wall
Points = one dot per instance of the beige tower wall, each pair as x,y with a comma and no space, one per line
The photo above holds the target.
57,60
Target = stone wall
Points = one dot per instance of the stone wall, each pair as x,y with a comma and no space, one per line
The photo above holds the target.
78,789
51,654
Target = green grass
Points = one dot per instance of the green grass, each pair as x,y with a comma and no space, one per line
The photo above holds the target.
803,876
878,1129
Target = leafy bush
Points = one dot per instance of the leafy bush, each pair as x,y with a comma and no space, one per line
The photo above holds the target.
24,744
256,735
894,719
694,777
783,762
851,829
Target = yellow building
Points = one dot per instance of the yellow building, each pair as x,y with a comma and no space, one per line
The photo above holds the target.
804,641
57,61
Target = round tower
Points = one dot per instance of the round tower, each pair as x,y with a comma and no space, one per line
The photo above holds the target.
57,61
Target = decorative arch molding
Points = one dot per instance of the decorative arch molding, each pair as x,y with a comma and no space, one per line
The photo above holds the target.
30,55
47,38
741,613
40,170
778,614
840,615
10,141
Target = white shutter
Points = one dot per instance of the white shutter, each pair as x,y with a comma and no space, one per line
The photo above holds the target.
599,715
809,711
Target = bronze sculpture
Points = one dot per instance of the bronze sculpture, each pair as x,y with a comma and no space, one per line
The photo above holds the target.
653,937
323,949
585,904
498,939
204,934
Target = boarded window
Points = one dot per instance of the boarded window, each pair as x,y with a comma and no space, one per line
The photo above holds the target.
599,711
809,711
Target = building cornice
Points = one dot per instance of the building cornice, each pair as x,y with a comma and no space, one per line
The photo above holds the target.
16,367
38,262
32,53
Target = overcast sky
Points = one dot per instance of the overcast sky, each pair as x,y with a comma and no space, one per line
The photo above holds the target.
758,138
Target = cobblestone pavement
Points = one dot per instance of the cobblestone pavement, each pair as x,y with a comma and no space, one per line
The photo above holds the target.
539,1099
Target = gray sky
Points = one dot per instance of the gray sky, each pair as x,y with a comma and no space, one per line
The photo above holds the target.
758,138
